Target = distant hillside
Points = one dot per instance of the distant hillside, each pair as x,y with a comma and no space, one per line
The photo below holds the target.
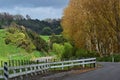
44,27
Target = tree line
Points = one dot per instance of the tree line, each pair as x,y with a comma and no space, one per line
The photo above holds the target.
44,27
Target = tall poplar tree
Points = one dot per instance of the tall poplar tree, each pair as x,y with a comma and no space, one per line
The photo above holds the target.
93,25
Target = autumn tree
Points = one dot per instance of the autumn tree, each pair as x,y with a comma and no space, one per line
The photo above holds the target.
93,25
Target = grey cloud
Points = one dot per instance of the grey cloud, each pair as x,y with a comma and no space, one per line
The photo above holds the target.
33,3
39,9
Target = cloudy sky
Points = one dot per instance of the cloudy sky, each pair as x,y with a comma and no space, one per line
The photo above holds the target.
37,9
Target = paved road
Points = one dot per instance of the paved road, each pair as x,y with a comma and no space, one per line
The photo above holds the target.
109,71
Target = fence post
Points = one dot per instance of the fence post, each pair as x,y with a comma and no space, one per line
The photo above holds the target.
12,62
83,65
94,64
62,65
54,64
1,63
72,65
6,71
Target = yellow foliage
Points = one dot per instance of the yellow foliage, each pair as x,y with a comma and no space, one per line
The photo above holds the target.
93,24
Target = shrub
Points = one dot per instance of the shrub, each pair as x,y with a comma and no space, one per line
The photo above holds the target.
109,58
58,49
68,51
27,45
17,37
81,53
11,30
57,39
40,44
7,41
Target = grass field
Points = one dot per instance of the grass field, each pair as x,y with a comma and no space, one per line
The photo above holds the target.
13,52
46,38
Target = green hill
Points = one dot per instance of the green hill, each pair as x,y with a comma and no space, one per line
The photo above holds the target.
13,52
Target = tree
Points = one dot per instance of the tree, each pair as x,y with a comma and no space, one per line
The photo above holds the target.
28,17
47,31
5,19
18,17
93,25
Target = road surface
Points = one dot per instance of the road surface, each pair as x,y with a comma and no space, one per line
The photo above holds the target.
109,71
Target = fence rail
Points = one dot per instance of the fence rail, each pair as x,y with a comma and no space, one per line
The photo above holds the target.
15,71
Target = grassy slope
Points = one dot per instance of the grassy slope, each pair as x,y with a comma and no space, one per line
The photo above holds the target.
13,52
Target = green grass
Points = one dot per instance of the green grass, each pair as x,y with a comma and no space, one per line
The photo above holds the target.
109,58
14,52
46,38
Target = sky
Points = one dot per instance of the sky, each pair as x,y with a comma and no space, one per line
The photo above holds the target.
37,9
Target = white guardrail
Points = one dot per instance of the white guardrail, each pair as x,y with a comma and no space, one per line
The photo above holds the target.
43,67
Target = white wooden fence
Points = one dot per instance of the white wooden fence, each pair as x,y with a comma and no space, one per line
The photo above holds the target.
43,67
